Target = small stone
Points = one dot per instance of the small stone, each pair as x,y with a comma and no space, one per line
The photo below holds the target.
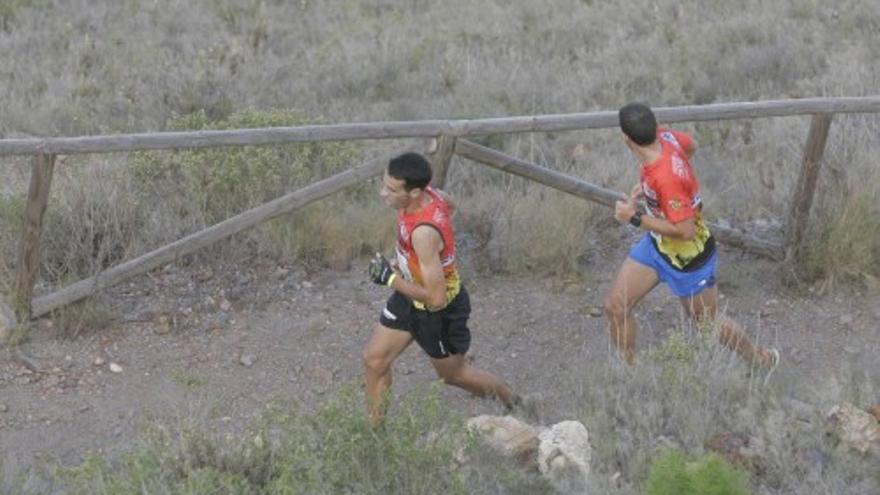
164,324
594,312
99,361
204,274
225,305
850,349
115,368
615,479
247,360
281,273
846,319
306,284
3,408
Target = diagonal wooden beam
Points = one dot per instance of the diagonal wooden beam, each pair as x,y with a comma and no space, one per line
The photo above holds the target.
592,192
193,242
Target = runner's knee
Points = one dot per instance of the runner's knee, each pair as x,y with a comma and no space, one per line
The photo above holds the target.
375,361
614,306
451,377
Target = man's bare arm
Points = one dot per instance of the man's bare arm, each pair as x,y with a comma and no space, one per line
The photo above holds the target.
427,244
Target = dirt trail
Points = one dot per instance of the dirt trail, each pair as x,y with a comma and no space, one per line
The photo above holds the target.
217,343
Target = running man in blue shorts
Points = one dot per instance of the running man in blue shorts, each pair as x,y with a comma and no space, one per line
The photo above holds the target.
677,248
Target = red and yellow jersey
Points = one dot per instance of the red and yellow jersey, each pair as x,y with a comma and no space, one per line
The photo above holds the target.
673,192
435,214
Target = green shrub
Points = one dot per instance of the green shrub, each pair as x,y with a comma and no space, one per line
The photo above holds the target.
673,474
215,183
192,189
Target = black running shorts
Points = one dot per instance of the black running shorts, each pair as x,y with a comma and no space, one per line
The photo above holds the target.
439,333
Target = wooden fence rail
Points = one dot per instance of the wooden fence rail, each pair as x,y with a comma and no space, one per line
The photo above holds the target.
428,128
446,141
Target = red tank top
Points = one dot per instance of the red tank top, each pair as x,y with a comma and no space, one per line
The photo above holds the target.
435,214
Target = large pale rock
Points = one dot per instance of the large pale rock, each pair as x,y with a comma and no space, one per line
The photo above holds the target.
508,436
856,428
564,456
7,322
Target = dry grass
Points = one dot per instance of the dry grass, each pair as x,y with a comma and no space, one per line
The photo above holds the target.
679,395
85,67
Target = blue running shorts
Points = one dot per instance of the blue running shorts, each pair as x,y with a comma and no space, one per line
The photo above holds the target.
682,284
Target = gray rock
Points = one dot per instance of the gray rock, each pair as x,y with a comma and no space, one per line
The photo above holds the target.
247,360
855,428
564,456
508,436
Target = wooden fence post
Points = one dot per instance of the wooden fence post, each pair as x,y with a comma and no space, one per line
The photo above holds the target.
805,188
28,267
439,151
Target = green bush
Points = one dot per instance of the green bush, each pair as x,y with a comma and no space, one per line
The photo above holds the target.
215,183
191,189
673,474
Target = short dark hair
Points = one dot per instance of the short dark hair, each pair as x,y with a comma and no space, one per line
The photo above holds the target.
412,168
637,121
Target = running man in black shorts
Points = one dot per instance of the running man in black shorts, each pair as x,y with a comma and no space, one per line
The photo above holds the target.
429,303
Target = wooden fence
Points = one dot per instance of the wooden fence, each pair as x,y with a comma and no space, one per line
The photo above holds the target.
446,139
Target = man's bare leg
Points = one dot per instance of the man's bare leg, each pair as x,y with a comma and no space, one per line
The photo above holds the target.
380,352
632,282
455,370
703,308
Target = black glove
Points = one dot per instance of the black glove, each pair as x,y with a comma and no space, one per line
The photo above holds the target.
380,270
